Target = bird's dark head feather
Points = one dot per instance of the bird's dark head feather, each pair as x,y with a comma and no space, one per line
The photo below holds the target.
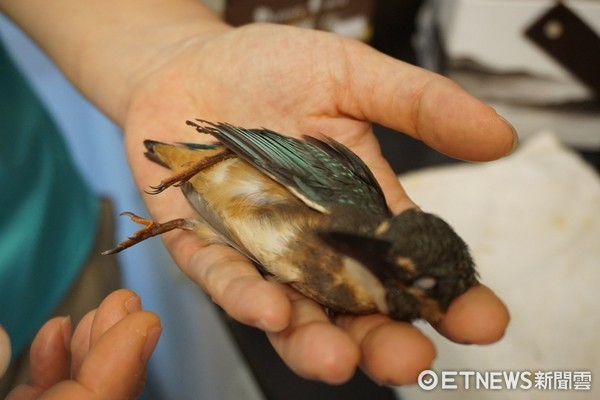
421,261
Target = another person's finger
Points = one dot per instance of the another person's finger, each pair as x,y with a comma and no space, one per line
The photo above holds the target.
116,362
80,342
113,309
49,359
114,368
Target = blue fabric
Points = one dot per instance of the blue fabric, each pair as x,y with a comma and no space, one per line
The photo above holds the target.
48,215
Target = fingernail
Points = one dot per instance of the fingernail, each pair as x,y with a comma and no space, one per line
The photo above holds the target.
515,142
133,304
66,327
151,341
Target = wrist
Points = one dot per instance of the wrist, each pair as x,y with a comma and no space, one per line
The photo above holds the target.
106,47
110,78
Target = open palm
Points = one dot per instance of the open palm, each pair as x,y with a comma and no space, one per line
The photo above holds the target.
305,82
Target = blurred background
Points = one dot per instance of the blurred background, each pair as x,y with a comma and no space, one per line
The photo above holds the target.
531,219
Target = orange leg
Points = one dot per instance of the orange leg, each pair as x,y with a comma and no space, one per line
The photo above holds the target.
152,228
185,175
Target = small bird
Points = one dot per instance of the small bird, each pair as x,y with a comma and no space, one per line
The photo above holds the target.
310,213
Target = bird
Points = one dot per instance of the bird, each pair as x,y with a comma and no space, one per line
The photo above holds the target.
310,213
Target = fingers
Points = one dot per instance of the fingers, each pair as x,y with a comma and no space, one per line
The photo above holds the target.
113,308
49,355
80,343
392,352
453,122
476,317
305,338
110,346
236,285
423,104
50,359
395,353
313,347
115,366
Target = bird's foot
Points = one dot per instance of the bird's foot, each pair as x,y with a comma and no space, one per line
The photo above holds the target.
189,172
152,228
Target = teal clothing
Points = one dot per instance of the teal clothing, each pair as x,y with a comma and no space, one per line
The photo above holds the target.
48,215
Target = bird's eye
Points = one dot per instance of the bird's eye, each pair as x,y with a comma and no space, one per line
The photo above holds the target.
426,282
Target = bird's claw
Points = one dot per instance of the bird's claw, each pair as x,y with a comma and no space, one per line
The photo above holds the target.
151,228
157,189
175,181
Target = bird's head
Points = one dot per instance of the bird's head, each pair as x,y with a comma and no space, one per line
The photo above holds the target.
419,260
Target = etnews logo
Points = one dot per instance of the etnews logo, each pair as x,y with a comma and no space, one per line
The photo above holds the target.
505,380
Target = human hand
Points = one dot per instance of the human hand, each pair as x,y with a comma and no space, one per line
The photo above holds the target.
105,358
306,82
4,351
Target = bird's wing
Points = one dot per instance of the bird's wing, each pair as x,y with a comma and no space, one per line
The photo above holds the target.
320,173
338,151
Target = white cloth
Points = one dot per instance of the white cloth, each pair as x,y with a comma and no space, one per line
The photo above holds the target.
532,221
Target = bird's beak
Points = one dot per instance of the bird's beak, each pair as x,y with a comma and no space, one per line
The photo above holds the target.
368,251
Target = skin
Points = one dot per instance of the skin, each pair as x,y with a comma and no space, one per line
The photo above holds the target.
104,358
5,351
150,65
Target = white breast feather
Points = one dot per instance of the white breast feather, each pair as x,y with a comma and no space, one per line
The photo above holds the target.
363,279
268,244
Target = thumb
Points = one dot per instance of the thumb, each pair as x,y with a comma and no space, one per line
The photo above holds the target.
423,104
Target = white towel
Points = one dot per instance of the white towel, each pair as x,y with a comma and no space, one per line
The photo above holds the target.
532,221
